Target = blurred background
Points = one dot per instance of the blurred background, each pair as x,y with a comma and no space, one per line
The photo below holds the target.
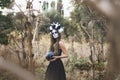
91,36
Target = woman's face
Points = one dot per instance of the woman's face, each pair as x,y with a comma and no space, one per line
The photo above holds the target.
55,34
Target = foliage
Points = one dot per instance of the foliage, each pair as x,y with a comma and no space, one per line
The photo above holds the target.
100,31
53,4
6,75
19,20
5,3
49,17
83,64
41,72
45,5
59,6
89,19
69,27
6,26
54,16
100,66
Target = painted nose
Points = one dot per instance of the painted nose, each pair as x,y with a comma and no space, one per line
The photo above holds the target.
55,35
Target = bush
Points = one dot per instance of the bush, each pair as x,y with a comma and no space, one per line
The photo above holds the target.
82,64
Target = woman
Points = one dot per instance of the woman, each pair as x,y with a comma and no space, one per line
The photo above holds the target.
55,70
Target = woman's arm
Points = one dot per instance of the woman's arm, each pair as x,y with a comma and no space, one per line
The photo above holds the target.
64,50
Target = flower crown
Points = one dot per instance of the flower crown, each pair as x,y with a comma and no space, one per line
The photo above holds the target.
55,29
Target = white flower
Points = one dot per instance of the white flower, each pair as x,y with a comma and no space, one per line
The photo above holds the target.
60,30
53,31
56,25
51,28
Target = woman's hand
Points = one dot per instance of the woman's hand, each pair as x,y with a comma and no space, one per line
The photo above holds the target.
54,58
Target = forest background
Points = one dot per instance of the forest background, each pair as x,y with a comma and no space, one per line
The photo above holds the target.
24,38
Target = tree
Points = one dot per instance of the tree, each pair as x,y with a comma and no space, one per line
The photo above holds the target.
92,26
113,66
53,4
5,3
50,17
6,24
60,6
45,6
54,16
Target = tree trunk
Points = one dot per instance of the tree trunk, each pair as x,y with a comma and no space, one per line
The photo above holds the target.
111,10
31,55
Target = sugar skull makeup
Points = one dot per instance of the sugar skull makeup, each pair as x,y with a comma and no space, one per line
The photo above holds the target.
55,29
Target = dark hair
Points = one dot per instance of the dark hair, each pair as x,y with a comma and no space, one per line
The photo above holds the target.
54,46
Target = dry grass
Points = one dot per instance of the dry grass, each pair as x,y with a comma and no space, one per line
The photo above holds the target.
75,51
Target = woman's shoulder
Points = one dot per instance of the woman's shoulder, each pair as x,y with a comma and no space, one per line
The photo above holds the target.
61,43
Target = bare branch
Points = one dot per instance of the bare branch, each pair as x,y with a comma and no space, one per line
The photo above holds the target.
105,6
18,7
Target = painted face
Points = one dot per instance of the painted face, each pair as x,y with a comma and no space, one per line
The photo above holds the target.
55,33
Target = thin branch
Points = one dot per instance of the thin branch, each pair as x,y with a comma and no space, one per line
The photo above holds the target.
32,0
18,7
26,0
84,30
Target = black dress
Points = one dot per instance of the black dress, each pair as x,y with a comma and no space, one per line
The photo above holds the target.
55,70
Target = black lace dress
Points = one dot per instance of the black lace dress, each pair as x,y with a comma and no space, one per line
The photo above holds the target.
55,70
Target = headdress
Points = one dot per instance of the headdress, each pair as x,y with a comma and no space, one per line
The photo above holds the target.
55,29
